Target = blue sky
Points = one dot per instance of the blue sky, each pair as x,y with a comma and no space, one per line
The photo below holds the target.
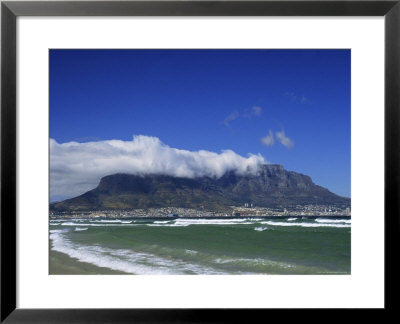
297,100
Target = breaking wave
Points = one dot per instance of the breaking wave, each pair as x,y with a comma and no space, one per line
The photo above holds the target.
260,229
124,260
305,224
326,220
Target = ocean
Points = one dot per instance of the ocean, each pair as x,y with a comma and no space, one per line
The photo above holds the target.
185,246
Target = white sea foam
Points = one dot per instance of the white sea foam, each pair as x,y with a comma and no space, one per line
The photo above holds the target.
97,224
81,229
110,221
326,220
191,251
58,221
186,222
260,229
304,224
169,225
58,231
125,260
256,261
165,225
79,224
182,222
211,220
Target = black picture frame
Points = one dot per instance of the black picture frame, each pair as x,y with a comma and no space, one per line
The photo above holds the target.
10,10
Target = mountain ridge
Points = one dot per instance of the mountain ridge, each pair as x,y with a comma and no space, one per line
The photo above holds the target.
271,186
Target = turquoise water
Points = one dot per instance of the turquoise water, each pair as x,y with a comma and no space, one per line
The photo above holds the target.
208,246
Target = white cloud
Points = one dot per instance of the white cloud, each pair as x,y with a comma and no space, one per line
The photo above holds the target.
77,167
283,139
268,140
247,113
230,118
256,111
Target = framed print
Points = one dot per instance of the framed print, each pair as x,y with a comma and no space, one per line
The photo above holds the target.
170,198
188,156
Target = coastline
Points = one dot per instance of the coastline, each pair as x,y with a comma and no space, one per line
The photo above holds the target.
171,246
67,217
62,264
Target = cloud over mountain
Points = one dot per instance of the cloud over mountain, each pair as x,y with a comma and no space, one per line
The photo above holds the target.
77,167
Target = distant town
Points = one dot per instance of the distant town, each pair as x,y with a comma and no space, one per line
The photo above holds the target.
247,210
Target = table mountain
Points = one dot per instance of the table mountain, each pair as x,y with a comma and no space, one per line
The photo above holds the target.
272,186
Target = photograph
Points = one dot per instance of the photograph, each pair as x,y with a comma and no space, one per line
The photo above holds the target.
199,161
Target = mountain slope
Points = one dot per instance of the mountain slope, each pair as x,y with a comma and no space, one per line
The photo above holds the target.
272,186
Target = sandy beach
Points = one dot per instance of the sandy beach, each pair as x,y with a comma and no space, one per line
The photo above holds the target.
62,264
